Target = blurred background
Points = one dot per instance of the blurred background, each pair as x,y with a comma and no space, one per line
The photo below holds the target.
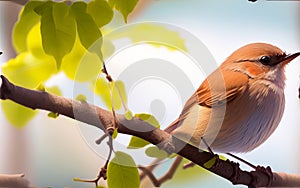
51,152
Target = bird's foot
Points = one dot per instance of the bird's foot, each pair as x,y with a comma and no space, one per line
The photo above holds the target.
235,174
259,170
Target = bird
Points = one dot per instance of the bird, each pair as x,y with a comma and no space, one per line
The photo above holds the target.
240,104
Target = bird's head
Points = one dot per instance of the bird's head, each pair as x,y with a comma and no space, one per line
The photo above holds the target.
259,60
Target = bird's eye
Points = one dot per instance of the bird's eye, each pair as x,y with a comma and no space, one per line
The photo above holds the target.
265,60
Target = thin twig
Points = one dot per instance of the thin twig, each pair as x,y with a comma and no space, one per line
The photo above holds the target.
171,171
99,140
168,175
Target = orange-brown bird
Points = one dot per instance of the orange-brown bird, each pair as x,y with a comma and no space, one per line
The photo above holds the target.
240,104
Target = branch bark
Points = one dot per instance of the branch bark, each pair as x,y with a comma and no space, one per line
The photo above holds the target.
19,2
13,181
103,119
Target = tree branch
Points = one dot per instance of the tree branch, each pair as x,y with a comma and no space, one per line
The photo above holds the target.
13,181
103,119
19,2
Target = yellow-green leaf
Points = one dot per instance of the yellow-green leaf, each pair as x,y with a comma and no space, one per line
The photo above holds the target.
54,90
125,7
27,19
88,31
115,134
155,152
100,11
210,163
34,43
128,115
154,34
57,29
81,98
119,89
41,87
17,114
53,115
28,71
122,172
108,48
148,118
102,89
80,64
136,142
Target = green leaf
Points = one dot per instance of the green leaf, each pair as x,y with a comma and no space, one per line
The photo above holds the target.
88,31
128,115
115,134
154,34
16,114
136,142
80,64
53,115
125,7
122,172
81,98
102,89
28,71
27,19
57,28
54,90
34,43
120,91
100,11
149,119
155,152
41,87
210,163
108,48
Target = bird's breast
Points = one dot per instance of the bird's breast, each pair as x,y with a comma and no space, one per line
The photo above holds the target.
248,121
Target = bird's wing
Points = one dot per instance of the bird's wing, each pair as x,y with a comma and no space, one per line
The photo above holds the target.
221,88
216,90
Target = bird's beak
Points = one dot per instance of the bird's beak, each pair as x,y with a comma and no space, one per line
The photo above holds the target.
289,58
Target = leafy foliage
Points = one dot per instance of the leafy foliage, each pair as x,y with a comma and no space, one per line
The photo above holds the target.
81,98
81,65
125,7
44,34
87,29
155,152
136,142
100,11
61,22
52,36
111,93
12,110
57,29
27,19
154,34
123,168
